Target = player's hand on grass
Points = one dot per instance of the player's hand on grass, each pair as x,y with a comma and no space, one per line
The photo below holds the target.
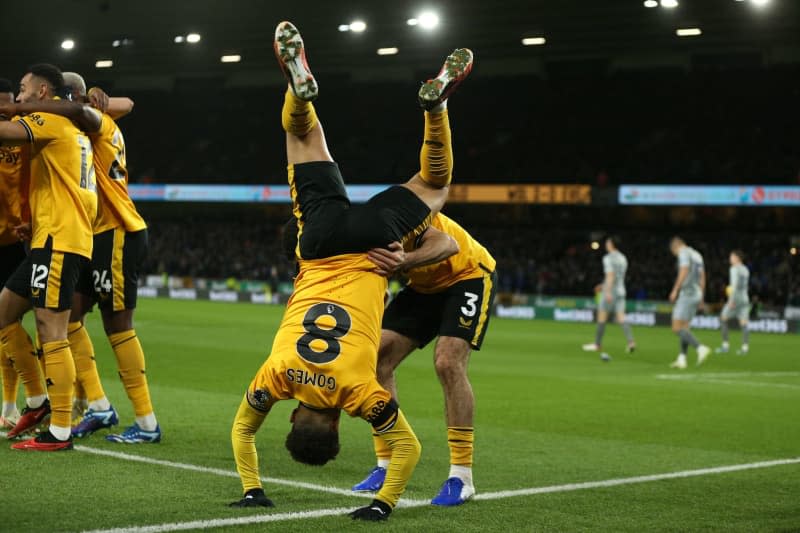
374,512
253,498
388,260
98,99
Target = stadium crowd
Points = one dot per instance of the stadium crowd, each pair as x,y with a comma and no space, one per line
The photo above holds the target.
532,261
733,126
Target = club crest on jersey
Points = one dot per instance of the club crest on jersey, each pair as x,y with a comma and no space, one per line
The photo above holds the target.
259,399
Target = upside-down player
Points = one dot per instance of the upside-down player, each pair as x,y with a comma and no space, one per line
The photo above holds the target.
451,299
63,205
325,351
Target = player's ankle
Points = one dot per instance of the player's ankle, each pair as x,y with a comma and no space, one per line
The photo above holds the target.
464,473
383,463
147,422
101,404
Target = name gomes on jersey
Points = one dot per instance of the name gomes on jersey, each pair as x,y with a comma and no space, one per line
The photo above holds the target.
304,377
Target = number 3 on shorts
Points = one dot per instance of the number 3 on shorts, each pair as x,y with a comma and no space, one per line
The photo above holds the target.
469,309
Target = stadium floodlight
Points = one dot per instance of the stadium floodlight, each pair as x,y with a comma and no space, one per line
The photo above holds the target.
358,26
595,245
116,43
533,41
669,4
412,22
688,32
428,20
179,39
759,3
104,63
793,250
344,27
650,3
67,44
193,38
232,58
388,51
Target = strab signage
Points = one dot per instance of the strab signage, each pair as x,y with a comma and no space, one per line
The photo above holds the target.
573,315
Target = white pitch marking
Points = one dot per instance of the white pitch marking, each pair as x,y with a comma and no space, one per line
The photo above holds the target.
282,517
725,378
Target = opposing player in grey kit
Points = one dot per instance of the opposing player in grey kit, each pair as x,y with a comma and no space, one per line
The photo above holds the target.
738,304
687,296
612,298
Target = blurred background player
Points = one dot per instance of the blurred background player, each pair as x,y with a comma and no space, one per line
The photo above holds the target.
612,298
12,254
63,203
687,297
738,304
451,299
325,351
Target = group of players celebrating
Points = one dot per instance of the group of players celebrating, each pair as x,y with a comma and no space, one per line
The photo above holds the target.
64,189
687,297
64,192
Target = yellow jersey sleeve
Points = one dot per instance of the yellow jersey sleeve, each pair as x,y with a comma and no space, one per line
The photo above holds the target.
115,207
11,193
473,260
63,197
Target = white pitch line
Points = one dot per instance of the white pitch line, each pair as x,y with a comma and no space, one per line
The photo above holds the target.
338,511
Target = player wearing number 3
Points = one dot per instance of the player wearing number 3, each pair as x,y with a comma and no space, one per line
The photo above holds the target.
451,299
325,352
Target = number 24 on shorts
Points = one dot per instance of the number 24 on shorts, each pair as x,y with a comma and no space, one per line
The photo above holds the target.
102,281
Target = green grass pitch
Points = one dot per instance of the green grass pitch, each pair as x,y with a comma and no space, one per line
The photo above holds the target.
547,414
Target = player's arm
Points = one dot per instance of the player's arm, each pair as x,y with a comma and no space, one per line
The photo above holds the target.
702,287
434,246
119,106
393,427
683,271
609,283
86,118
13,133
243,438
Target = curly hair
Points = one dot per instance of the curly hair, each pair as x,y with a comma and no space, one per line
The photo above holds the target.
312,445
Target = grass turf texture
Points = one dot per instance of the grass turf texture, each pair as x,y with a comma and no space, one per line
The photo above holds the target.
547,414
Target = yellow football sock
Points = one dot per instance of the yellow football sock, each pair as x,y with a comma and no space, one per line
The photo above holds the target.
130,362
382,450
85,366
436,156
243,439
18,347
298,116
10,378
60,379
460,439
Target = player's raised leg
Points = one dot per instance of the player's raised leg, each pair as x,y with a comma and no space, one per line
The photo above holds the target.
305,140
431,183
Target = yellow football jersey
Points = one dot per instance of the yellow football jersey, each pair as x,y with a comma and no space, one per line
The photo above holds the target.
472,261
63,196
115,208
325,351
12,164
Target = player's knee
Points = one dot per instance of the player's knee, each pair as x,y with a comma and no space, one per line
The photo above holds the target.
676,327
451,358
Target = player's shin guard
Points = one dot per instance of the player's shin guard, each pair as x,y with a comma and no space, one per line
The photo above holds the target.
10,380
130,363
598,336
746,335
382,451
85,366
626,330
723,328
243,439
460,440
18,347
60,378
298,117
687,337
436,156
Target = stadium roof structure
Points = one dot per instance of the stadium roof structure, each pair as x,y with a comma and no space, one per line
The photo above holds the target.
141,38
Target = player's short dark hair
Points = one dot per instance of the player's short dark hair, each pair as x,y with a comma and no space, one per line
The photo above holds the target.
51,73
616,240
738,253
5,86
289,238
677,238
312,445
